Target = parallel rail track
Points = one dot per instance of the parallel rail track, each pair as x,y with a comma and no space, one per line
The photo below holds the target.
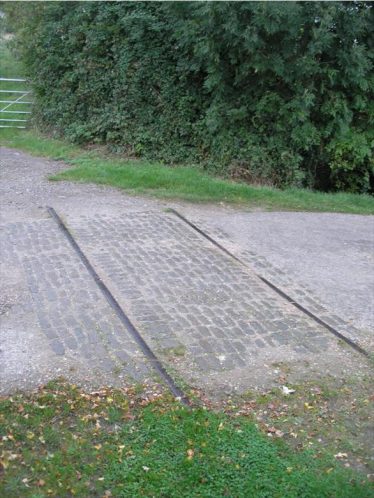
154,361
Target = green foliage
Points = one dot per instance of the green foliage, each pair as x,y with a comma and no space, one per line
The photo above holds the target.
275,92
352,162
189,183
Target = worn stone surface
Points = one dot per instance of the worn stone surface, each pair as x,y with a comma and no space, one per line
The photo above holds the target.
185,294
211,321
360,329
60,302
324,259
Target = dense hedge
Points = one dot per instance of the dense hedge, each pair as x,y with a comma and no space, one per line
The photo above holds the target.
278,92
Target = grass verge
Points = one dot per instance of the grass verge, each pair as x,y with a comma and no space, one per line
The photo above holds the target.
61,441
186,183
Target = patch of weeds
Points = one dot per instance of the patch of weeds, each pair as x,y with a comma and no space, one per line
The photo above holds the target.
329,415
178,351
342,344
265,398
114,414
194,395
371,358
282,366
117,370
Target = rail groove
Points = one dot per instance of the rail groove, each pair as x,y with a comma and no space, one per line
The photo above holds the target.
276,289
145,348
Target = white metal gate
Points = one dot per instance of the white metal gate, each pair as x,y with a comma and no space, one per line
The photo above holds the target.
17,103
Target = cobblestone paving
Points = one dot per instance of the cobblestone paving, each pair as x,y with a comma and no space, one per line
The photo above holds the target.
72,313
208,316
210,320
300,293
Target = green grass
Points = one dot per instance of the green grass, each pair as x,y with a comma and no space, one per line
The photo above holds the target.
186,183
38,145
64,442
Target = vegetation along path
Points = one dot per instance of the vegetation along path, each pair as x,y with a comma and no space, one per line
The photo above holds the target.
200,302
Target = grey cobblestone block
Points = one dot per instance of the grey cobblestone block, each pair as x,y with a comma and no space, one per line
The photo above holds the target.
50,332
207,363
70,342
169,343
281,338
107,364
57,347
260,343
78,332
239,346
123,357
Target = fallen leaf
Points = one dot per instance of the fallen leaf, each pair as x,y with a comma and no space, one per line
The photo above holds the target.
339,455
190,454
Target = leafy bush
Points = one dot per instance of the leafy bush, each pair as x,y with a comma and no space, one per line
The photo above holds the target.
352,162
278,93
